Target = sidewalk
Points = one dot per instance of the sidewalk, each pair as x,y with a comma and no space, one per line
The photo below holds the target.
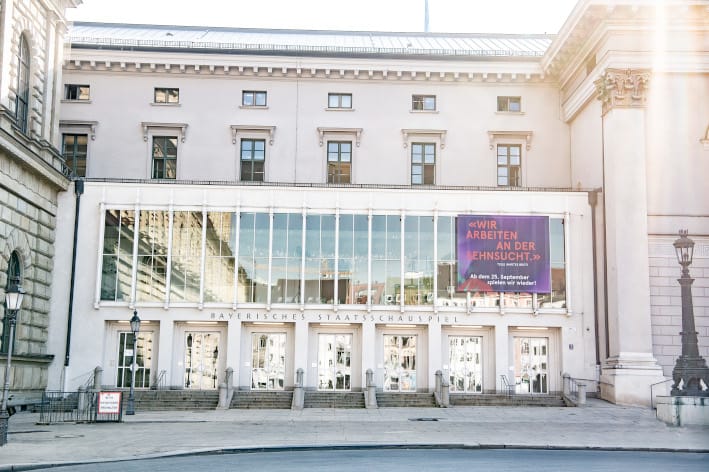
599,425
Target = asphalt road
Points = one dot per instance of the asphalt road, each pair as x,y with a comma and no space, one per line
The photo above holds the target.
418,460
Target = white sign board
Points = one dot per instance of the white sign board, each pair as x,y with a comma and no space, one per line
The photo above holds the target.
109,402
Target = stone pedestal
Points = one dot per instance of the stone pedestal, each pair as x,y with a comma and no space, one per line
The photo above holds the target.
683,411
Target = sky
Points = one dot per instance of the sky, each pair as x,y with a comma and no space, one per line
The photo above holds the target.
445,16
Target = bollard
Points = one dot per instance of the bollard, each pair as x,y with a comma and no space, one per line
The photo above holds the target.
581,393
566,381
439,381
445,393
370,397
298,393
82,402
223,397
98,378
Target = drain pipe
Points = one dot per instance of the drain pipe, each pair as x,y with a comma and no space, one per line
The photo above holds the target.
593,200
78,190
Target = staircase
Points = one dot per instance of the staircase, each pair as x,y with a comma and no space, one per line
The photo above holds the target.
160,400
408,400
315,399
459,399
262,399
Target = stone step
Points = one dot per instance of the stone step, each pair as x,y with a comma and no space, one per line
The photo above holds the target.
334,400
262,399
405,400
506,400
148,400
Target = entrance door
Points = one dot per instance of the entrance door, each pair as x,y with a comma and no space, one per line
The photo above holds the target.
143,360
268,361
334,352
399,363
465,364
201,359
531,365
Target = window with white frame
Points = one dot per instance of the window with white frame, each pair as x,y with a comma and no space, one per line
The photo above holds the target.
253,98
509,104
509,165
164,157
339,162
253,160
77,92
168,96
423,163
339,100
423,103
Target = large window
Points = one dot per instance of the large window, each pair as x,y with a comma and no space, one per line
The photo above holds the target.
74,150
339,162
14,276
418,260
22,97
319,259
185,260
509,165
151,280
253,159
164,157
167,95
287,252
386,260
117,255
220,252
423,102
423,164
353,245
557,297
447,265
254,232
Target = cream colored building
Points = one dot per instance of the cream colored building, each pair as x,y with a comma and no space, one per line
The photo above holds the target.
273,200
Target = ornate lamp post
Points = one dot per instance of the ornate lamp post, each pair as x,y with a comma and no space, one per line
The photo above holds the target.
690,369
135,327
13,303
215,355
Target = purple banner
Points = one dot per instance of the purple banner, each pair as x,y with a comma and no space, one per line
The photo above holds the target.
503,254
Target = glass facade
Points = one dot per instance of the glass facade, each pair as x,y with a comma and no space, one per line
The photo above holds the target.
299,258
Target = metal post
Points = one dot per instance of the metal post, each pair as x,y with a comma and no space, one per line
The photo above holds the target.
690,369
4,415
135,327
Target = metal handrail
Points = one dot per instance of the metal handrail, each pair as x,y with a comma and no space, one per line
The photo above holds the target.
652,387
160,380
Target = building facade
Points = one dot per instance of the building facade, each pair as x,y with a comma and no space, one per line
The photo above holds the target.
31,177
272,200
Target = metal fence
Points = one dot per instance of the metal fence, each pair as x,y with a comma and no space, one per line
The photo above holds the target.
77,407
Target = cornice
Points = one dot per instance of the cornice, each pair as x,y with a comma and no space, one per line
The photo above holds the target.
115,62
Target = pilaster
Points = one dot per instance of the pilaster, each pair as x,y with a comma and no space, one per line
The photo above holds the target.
627,374
173,376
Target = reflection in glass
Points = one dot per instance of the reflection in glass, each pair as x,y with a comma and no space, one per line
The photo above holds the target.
201,360
334,357
352,264
185,270
268,361
399,363
319,259
143,361
465,366
253,257
531,365
418,260
447,265
386,259
220,246
152,256
287,247
557,297
116,271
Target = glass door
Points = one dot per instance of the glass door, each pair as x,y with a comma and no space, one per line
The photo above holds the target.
334,352
201,359
143,361
268,361
465,367
531,365
399,363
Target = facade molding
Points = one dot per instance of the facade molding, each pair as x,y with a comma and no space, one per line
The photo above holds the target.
494,136
428,133
357,132
88,125
149,125
235,129
622,88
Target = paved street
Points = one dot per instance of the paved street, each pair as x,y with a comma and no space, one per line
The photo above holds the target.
600,425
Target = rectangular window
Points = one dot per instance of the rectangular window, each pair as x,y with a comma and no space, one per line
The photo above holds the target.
185,268
418,260
319,259
509,165
386,259
511,104
76,92
423,102
164,157
251,98
167,95
220,257
286,257
151,277
74,150
339,100
253,158
254,233
423,164
353,253
339,162
117,269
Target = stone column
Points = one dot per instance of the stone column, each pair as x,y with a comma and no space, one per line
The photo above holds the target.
434,351
502,358
300,358
627,374
369,347
175,372
233,350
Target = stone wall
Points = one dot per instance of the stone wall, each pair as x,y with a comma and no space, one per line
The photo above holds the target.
666,300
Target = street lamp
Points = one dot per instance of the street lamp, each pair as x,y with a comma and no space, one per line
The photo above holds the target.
215,355
13,303
135,327
690,369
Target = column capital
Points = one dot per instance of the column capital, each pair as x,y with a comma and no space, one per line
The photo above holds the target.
622,88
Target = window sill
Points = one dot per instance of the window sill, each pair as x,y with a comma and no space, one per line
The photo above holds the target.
424,111
339,109
67,100
253,107
164,104
510,113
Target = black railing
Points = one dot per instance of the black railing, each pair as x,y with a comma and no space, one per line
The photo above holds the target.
74,407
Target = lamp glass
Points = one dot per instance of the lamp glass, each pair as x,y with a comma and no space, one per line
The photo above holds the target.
13,297
135,322
684,248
